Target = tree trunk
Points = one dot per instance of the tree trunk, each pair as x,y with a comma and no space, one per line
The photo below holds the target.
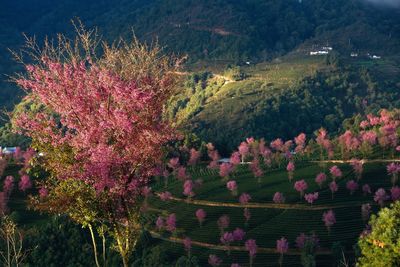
94,245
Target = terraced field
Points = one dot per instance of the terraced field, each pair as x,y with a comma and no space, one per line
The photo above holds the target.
269,221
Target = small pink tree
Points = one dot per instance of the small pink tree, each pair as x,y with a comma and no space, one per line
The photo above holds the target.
235,158
333,187
251,247
335,172
244,198
380,196
225,169
160,223
393,169
188,189
278,198
171,223
329,219
247,215
165,196
290,169
25,183
395,193
366,189
320,179
223,223
201,215
352,186
301,186
357,167
312,197
244,150
194,156
232,186
282,247
214,261
238,234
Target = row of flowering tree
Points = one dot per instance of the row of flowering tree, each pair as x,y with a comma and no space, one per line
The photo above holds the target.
259,156
95,113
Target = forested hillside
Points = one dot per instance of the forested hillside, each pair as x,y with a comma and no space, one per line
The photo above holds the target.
227,32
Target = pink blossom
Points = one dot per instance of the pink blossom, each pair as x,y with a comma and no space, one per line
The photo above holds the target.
380,196
227,238
201,215
214,261
235,158
373,120
300,141
333,187
290,167
235,265
188,188
43,192
366,189
329,219
244,149
244,198
357,167
364,124
181,173
365,211
335,172
320,179
278,198
395,193
25,183
282,245
171,222
223,222
8,184
194,156
238,234
251,247
300,186
393,168
174,163
232,186
225,169
312,197
160,223
369,137
164,196
277,144
352,186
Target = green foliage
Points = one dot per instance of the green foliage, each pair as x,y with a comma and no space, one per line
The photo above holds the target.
59,242
381,247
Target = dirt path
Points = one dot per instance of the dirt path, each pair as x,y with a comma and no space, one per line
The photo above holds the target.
321,251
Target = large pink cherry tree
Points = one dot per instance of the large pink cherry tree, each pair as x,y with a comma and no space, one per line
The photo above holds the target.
98,122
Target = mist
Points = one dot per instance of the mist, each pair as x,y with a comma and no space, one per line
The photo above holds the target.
387,3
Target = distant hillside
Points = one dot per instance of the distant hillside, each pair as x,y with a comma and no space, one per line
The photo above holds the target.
215,33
